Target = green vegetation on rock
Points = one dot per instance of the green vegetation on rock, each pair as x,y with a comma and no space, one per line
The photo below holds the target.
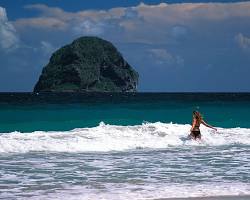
87,64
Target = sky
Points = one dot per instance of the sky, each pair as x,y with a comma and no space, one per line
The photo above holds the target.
175,45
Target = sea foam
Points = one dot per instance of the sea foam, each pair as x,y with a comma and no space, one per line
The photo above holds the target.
151,191
106,137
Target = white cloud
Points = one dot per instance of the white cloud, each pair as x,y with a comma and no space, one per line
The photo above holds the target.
8,35
89,27
47,48
179,60
185,12
162,56
46,10
53,17
178,31
46,23
243,41
143,23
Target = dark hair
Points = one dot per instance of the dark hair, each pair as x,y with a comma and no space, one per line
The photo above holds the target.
197,115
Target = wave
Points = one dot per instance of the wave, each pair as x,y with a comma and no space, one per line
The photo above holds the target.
152,191
106,137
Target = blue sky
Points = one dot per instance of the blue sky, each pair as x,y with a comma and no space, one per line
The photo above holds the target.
176,46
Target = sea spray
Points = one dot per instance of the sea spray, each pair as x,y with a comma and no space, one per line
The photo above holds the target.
105,137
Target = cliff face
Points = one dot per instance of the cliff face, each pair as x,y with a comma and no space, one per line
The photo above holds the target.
87,64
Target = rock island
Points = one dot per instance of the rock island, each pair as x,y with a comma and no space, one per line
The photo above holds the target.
88,64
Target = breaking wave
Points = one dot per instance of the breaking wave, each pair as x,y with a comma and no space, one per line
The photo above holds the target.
106,137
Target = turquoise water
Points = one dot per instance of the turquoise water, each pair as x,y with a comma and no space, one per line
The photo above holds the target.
123,146
27,112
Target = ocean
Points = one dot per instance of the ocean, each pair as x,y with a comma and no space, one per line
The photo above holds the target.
123,146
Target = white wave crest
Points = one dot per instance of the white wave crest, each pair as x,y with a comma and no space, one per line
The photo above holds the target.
119,138
239,191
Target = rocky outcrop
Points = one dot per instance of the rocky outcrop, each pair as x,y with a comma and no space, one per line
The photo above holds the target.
87,64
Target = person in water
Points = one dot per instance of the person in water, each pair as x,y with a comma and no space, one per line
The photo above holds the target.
197,121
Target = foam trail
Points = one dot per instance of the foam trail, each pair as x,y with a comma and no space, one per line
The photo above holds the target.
105,138
150,191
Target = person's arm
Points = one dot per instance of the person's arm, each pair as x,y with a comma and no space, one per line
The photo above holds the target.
193,125
207,125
